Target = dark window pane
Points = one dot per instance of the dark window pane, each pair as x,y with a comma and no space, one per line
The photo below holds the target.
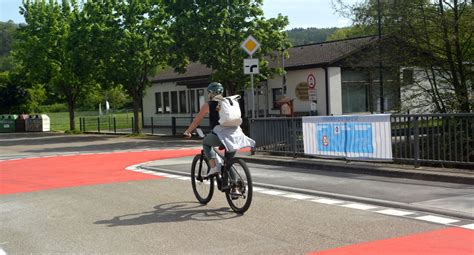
182,102
159,105
354,97
277,94
166,101
174,102
192,100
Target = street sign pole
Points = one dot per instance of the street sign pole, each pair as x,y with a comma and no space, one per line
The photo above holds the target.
250,45
253,94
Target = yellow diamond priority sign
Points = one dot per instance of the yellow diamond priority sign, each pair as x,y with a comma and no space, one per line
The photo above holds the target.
250,45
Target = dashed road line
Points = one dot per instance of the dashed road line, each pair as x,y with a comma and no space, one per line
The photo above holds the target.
394,212
414,215
359,206
468,226
327,201
437,219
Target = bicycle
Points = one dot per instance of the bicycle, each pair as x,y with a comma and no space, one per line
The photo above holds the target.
234,180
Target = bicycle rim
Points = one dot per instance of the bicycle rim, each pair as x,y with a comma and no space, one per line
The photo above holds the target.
203,188
240,194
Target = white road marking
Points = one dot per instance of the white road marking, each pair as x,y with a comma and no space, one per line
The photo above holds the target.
394,212
468,226
359,206
327,201
298,196
437,219
273,192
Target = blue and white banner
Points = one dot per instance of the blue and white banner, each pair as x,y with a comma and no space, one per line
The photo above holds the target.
351,136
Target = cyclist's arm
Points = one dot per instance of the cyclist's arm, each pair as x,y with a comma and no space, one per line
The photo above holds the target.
202,113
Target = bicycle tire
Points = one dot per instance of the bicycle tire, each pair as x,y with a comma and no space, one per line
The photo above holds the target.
241,182
205,185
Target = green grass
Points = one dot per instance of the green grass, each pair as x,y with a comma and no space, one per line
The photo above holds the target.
60,121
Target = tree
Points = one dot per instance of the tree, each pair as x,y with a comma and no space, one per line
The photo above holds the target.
137,43
436,35
7,32
12,93
349,32
53,49
211,33
300,36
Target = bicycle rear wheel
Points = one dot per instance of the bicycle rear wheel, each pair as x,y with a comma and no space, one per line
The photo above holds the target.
239,196
203,188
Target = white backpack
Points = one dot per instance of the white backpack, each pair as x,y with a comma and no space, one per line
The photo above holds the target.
229,110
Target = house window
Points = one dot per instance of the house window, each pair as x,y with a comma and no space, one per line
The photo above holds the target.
174,102
166,101
192,101
361,90
158,102
277,94
408,76
201,99
182,101
356,91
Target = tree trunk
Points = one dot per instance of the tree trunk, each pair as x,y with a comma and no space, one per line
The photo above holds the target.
71,107
136,113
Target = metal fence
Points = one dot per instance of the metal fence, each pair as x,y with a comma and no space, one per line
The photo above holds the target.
173,126
440,139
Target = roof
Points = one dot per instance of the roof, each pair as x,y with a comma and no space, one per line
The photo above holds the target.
300,57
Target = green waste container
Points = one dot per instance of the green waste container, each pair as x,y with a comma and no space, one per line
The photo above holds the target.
7,123
20,123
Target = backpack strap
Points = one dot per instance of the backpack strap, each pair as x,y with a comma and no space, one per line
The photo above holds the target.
230,101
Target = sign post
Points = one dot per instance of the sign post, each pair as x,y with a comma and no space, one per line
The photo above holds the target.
251,45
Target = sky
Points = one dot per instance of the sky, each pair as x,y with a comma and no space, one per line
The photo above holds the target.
301,13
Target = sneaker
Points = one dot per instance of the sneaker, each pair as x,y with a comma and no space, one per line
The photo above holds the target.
214,171
235,194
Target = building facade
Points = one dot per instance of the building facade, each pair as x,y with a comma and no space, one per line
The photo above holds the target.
330,78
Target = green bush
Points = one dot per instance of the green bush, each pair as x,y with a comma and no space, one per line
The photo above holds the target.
53,108
73,132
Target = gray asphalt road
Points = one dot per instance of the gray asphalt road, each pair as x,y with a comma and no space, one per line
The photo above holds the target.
162,217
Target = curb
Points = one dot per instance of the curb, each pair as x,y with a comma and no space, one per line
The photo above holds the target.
462,177
372,201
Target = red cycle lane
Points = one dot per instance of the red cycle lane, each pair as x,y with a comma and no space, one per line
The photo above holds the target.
36,174
449,241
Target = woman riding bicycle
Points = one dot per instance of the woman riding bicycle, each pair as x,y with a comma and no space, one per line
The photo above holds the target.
233,136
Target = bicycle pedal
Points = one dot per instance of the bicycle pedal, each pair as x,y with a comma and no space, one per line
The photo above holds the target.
225,188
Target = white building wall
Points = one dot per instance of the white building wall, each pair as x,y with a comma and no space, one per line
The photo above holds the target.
293,79
264,101
164,119
335,90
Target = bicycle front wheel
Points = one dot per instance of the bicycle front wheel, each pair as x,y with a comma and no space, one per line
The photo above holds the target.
239,196
203,188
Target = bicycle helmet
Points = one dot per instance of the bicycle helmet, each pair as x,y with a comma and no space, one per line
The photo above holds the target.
215,88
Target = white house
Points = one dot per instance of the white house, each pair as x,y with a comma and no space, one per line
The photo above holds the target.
345,82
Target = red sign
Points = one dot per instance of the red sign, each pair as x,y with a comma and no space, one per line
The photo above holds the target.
311,80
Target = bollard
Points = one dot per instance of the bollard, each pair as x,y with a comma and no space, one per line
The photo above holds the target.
173,125
152,127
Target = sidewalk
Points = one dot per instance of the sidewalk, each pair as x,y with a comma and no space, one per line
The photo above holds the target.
454,175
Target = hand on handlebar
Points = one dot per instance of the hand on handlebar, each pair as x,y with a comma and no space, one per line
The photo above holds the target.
187,134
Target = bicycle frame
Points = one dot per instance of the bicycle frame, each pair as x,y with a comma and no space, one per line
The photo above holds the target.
220,180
